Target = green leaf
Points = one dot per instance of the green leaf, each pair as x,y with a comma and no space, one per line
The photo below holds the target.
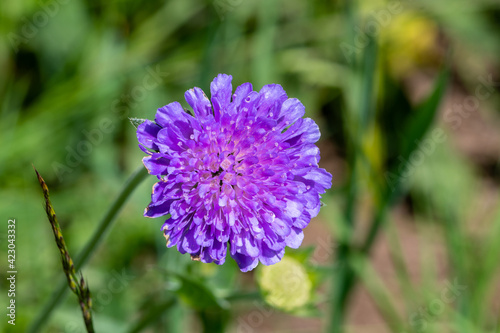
136,121
153,314
307,311
368,90
196,294
418,124
302,255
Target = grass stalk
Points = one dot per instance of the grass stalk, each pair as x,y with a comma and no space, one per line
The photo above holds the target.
135,179
77,285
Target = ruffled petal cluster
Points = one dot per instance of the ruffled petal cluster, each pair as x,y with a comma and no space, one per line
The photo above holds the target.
241,173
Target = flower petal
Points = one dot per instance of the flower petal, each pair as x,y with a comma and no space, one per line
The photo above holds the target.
197,99
146,134
245,263
221,90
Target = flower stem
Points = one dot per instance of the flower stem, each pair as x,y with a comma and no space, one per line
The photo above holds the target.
137,177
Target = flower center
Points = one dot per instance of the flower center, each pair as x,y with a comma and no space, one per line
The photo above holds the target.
214,174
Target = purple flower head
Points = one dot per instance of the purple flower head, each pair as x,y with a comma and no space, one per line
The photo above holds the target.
242,171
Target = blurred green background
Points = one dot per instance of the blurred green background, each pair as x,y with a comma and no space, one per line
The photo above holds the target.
406,96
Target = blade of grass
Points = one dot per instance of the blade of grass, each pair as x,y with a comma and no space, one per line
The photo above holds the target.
456,240
380,295
417,128
135,179
424,115
398,260
77,285
368,88
485,284
359,124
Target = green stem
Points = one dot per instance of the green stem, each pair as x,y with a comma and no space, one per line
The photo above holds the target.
345,278
345,270
378,219
137,177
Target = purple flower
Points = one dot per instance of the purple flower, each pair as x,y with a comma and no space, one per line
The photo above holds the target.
243,170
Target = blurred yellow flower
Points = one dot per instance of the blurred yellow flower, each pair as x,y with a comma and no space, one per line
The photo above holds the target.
410,42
